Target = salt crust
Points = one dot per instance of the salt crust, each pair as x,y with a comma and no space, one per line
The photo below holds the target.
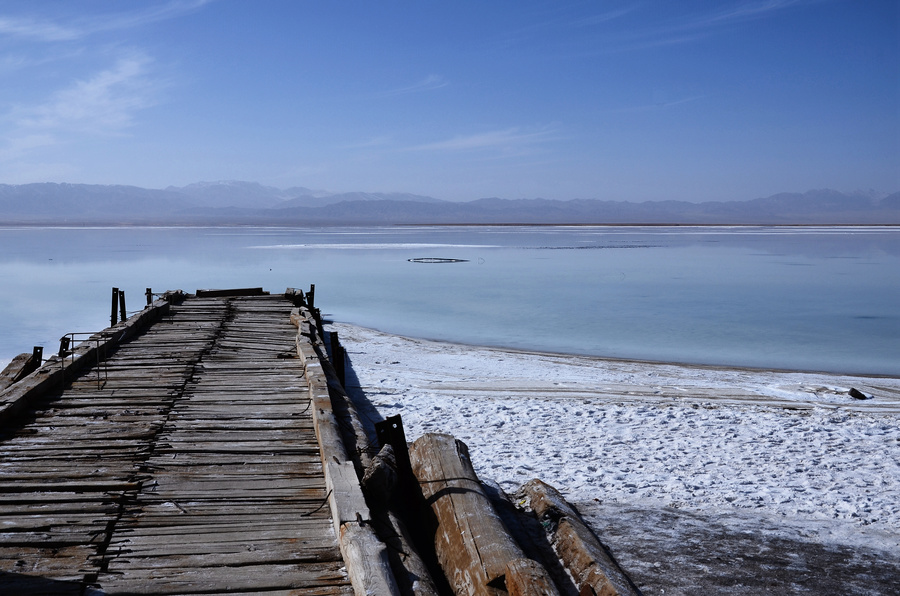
784,450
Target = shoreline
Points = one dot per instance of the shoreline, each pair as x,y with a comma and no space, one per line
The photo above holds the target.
100,224
712,441
655,225
624,360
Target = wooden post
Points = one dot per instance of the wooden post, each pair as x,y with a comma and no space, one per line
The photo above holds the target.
337,357
473,546
320,328
390,432
335,343
341,361
122,315
64,343
311,296
149,294
115,306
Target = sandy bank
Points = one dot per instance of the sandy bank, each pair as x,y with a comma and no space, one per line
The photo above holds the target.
789,448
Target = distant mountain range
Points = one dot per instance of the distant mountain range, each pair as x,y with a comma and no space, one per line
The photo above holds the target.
236,203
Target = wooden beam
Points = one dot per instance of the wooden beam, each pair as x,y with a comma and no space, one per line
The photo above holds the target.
525,577
472,544
354,433
587,560
231,292
364,554
390,510
13,371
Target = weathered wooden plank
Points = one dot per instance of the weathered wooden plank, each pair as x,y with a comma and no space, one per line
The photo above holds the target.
230,485
232,555
18,513
71,521
186,513
19,583
65,563
219,539
69,486
258,424
10,499
213,460
245,577
45,539
232,448
198,439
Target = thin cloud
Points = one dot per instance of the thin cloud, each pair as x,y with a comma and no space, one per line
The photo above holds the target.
170,10
639,25
36,30
18,146
747,11
699,26
659,105
368,143
50,31
604,17
429,83
561,18
508,139
102,104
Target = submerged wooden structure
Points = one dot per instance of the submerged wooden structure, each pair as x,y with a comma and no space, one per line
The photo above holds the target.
206,445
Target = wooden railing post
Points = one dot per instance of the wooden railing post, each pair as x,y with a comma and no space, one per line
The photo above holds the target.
65,342
115,306
149,294
37,358
122,315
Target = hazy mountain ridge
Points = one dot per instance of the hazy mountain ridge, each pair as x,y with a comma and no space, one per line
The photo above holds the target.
236,202
322,200
234,194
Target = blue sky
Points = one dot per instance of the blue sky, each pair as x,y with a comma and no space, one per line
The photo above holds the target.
651,100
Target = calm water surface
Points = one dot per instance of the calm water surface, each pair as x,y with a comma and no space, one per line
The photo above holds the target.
797,298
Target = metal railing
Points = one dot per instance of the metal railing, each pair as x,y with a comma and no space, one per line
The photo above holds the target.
66,350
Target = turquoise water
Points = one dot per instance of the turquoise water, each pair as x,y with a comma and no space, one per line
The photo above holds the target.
795,298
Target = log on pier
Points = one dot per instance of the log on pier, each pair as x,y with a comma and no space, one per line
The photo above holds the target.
587,560
475,550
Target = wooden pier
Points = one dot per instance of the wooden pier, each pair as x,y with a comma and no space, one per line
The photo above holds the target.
206,446
187,460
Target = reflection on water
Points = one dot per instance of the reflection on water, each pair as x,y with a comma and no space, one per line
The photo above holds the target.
803,298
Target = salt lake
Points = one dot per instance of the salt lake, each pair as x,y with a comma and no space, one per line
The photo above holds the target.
801,298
